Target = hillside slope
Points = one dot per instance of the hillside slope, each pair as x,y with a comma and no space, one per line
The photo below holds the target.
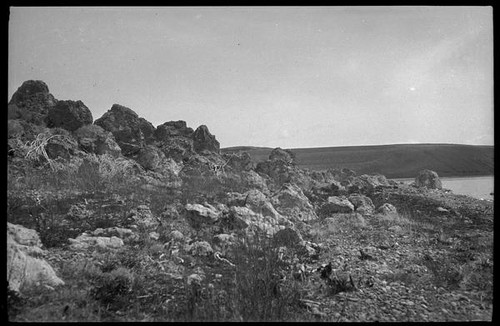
393,161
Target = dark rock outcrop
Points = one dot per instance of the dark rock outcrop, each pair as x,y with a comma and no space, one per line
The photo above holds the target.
203,140
175,140
173,129
94,139
69,115
31,102
130,131
428,179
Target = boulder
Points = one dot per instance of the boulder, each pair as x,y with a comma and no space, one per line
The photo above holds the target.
94,139
362,204
198,214
130,131
387,209
336,205
69,115
428,179
243,218
290,201
204,140
25,267
31,102
87,241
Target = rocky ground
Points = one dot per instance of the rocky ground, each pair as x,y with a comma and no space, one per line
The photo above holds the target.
118,220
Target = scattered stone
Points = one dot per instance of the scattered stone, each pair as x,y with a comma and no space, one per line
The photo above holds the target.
387,209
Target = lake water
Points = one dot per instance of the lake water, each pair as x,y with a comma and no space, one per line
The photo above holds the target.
478,187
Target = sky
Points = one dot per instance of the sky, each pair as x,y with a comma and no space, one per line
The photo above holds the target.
289,77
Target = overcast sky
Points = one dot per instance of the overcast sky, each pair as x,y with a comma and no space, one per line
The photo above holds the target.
271,76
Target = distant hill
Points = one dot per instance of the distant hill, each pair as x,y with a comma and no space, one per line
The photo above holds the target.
393,161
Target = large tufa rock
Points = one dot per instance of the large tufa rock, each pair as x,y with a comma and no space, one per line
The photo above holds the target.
204,140
291,201
174,138
336,205
428,179
130,131
172,129
69,115
94,139
279,154
24,265
31,102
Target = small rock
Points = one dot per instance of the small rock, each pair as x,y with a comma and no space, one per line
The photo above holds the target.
194,278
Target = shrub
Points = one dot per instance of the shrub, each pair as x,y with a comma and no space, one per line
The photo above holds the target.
111,288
